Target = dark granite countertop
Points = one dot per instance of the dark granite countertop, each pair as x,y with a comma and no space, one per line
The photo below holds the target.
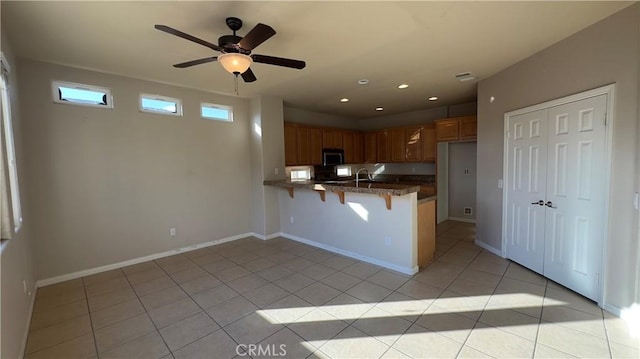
373,187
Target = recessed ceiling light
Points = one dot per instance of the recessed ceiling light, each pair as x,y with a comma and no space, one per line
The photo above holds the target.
363,82
379,108
403,86
344,99
433,98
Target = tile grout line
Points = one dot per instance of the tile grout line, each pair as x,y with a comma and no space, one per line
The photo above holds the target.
93,333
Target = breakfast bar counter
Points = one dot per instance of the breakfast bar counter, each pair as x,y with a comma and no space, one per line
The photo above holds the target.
353,220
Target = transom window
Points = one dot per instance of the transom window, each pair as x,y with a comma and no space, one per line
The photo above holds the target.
212,111
81,94
160,105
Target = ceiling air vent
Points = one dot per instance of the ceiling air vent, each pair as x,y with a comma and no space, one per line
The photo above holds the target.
464,76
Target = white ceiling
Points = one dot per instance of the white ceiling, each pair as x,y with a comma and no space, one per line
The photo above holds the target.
423,44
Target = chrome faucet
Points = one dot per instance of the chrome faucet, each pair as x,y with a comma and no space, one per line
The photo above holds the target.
358,175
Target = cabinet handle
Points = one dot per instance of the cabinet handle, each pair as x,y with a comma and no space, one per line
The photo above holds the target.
539,203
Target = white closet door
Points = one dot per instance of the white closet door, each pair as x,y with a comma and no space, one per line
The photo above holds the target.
527,156
575,197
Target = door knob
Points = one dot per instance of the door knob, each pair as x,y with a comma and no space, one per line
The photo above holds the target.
550,204
539,203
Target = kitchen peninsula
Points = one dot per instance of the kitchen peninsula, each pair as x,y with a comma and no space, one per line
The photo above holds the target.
381,223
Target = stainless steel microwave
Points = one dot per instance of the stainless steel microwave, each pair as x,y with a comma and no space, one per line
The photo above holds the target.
332,156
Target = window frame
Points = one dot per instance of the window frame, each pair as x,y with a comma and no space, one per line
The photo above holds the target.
216,106
149,96
9,144
55,92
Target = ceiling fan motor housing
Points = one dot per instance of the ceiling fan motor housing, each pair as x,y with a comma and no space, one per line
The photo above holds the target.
230,44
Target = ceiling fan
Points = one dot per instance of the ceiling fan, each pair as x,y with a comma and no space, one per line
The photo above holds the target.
236,55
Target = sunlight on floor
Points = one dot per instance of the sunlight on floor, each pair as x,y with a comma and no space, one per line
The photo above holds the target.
349,312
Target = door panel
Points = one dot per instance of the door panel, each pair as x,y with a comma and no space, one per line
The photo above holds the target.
527,185
577,195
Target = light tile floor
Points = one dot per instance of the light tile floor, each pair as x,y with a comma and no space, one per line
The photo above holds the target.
296,299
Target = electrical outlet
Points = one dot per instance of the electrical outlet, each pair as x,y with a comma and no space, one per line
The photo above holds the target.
413,169
172,232
276,170
24,286
500,183
291,220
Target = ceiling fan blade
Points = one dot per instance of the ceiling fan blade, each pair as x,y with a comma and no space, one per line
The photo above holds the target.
279,61
195,62
248,76
172,31
259,34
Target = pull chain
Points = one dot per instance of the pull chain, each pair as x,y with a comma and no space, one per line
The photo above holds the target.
235,81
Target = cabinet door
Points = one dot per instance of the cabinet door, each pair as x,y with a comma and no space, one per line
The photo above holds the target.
383,150
347,145
358,147
397,145
304,150
447,130
370,147
331,138
429,143
468,128
315,146
413,144
290,145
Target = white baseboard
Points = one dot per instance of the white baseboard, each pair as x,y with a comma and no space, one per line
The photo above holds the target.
267,237
86,272
394,267
460,219
23,347
488,248
613,310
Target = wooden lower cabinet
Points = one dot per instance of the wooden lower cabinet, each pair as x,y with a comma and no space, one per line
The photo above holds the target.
426,232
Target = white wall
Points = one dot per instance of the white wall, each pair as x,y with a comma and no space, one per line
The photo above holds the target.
360,225
106,185
312,118
267,162
606,52
16,258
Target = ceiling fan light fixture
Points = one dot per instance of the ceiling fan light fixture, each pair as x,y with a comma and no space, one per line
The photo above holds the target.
235,63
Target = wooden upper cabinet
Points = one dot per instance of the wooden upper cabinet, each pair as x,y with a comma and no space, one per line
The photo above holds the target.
331,138
429,143
315,146
398,145
353,145
413,144
304,141
358,147
447,130
370,147
290,145
468,128
347,145
383,146
457,129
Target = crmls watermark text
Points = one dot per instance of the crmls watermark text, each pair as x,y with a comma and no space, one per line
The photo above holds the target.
271,350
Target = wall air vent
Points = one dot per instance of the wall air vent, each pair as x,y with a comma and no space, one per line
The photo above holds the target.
465,76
